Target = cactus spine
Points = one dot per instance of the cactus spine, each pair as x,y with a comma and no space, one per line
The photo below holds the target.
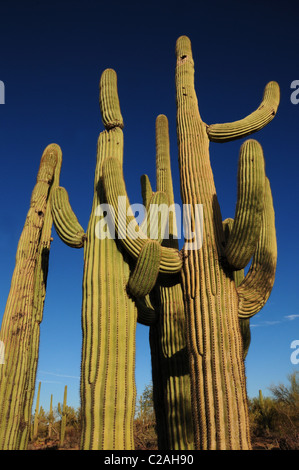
212,300
24,309
109,316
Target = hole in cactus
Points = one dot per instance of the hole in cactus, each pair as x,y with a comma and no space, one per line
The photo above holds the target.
40,213
183,57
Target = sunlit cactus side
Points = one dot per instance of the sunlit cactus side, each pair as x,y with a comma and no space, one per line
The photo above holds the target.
63,417
23,314
213,301
109,315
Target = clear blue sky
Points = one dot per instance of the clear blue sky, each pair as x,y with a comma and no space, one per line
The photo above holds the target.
52,56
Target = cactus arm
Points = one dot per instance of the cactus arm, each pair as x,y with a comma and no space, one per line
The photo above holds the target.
250,206
154,223
66,223
257,285
252,123
171,261
109,102
144,276
238,278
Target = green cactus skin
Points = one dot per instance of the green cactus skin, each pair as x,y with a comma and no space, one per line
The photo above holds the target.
24,309
36,414
63,417
109,315
167,333
214,341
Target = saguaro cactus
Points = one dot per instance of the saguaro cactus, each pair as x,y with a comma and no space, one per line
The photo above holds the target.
108,314
36,414
24,308
212,300
63,417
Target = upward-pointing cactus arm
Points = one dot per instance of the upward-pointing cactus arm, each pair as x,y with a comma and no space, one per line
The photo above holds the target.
256,287
253,122
246,229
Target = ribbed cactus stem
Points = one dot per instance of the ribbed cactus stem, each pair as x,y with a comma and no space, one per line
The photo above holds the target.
256,288
51,418
24,309
109,316
144,276
63,417
36,415
214,343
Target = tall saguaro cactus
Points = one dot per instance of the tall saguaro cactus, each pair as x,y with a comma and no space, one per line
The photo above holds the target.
109,316
24,308
213,302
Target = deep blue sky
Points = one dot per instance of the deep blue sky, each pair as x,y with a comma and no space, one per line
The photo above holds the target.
52,54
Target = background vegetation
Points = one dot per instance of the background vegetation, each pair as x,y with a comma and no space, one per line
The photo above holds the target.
274,421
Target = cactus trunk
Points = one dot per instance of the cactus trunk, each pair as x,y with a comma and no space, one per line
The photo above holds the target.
24,309
213,335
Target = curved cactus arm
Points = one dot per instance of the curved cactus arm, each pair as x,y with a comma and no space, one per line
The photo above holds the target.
155,221
246,229
144,276
255,289
133,240
253,122
66,223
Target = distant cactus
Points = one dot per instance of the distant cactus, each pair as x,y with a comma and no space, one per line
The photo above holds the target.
36,414
50,418
63,412
24,309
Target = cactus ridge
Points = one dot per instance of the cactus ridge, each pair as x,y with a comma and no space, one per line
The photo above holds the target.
144,276
252,123
257,285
